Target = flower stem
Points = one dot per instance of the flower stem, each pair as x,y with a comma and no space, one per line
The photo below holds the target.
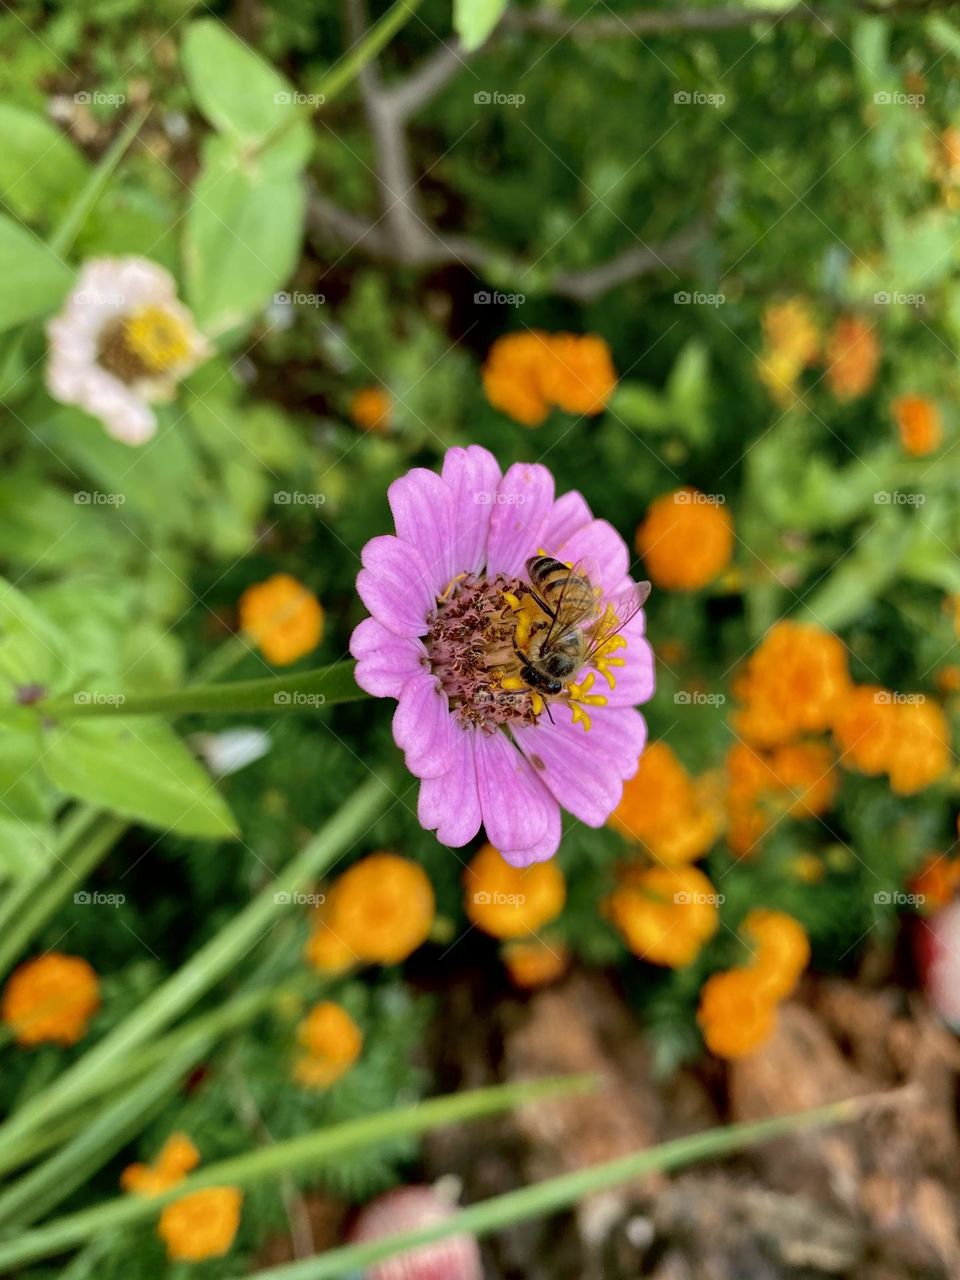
274,694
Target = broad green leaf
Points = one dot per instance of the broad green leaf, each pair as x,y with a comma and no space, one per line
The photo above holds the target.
473,20
242,239
243,97
32,649
138,769
39,166
25,795
33,280
641,406
25,847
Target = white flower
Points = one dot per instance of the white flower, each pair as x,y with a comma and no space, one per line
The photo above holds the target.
121,343
231,750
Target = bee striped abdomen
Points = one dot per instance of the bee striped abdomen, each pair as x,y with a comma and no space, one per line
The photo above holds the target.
555,582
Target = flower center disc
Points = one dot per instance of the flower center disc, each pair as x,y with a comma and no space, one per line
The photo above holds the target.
146,343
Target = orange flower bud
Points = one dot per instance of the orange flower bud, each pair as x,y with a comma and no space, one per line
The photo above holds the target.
51,998
283,617
686,540
511,902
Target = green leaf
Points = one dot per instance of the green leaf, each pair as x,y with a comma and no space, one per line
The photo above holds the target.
139,769
33,280
473,20
872,564
25,848
242,239
39,166
32,649
243,97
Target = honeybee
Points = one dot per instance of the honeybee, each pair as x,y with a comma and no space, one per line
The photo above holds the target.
574,626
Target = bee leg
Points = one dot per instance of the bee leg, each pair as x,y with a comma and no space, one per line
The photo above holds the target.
541,604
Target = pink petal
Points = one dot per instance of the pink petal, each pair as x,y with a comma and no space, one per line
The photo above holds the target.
523,506
423,726
472,476
570,513
385,662
449,804
423,514
395,585
636,679
519,814
599,544
544,848
585,768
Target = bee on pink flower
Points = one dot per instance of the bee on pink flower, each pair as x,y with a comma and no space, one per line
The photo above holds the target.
506,625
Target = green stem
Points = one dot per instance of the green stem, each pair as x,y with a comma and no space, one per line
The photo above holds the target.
305,1153
559,1193
274,694
207,966
77,823
367,48
96,1142
206,1029
35,909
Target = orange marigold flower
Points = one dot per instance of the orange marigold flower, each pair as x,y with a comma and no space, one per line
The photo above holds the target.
201,1225
853,355
920,754
864,728
176,1158
666,810
51,998
326,950
534,964
580,376
379,911
782,950
527,373
664,914
798,779
370,408
685,540
511,902
936,882
736,1014
283,617
918,421
792,683
332,1041
790,331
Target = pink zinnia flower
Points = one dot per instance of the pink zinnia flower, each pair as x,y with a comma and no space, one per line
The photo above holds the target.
487,748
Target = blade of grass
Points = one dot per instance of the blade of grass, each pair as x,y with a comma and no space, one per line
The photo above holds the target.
296,1155
207,966
561,1192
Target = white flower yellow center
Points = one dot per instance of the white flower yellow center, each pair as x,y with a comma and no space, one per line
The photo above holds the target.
146,343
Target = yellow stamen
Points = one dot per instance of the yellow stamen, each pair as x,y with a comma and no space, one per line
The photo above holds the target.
158,338
580,697
451,584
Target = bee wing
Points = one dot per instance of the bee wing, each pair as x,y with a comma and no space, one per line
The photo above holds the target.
619,611
570,609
